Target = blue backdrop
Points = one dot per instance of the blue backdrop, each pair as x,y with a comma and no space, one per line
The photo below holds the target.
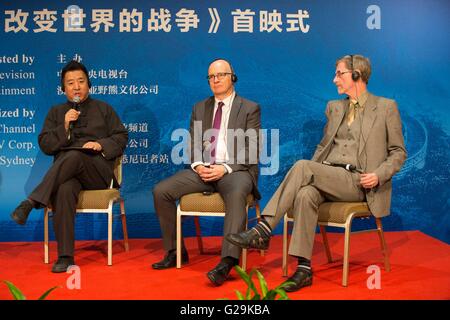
149,60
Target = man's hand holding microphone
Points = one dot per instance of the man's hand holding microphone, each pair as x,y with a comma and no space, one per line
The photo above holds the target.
72,115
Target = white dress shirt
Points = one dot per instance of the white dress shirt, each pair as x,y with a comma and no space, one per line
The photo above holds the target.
221,147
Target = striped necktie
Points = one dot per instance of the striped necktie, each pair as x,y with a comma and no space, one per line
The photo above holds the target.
353,109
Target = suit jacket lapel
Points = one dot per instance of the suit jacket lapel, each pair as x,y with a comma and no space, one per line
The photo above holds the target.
339,113
235,108
209,113
367,121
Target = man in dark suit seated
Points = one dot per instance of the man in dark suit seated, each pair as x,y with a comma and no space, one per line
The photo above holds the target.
85,136
228,166
362,148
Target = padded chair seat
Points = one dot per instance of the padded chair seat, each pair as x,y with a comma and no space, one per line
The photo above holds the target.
198,202
98,199
337,212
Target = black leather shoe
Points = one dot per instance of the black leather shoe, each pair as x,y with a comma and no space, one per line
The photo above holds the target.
62,264
170,260
220,273
301,278
20,214
250,239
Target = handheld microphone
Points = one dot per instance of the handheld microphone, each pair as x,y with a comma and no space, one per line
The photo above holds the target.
76,106
207,153
346,166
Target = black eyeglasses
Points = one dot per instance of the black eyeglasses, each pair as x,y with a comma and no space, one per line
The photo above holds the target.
218,76
340,74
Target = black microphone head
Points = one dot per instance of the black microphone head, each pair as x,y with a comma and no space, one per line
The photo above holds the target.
76,105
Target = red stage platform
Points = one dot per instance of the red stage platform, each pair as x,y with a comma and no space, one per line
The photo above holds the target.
420,269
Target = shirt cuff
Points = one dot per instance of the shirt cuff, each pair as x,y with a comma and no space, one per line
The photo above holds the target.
229,170
193,165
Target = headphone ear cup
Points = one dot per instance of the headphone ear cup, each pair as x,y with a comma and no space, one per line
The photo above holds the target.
355,75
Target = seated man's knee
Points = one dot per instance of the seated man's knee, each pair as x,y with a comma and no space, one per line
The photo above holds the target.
158,189
71,157
300,164
309,193
72,154
161,189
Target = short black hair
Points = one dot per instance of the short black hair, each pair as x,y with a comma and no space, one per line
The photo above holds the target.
73,66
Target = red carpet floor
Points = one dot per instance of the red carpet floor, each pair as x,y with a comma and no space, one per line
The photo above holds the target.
420,269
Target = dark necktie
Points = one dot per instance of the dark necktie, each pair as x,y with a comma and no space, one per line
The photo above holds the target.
216,126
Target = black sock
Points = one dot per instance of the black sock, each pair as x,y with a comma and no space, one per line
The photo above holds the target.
230,261
66,257
304,264
174,251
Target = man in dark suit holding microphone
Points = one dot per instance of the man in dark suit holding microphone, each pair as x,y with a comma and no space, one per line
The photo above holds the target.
85,136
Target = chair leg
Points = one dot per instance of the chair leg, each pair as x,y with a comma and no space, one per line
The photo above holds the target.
110,221
384,248
46,235
198,233
124,225
258,216
258,211
178,238
323,231
348,231
244,251
285,246
244,259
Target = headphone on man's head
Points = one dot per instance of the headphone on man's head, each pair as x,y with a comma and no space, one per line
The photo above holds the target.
234,77
355,73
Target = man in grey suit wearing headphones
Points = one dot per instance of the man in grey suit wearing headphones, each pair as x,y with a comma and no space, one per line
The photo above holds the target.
362,148
224,159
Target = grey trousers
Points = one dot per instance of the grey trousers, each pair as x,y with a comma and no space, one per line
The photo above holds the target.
233,188
304,188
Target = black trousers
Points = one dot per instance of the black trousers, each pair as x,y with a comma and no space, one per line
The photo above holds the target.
233,188
71,172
